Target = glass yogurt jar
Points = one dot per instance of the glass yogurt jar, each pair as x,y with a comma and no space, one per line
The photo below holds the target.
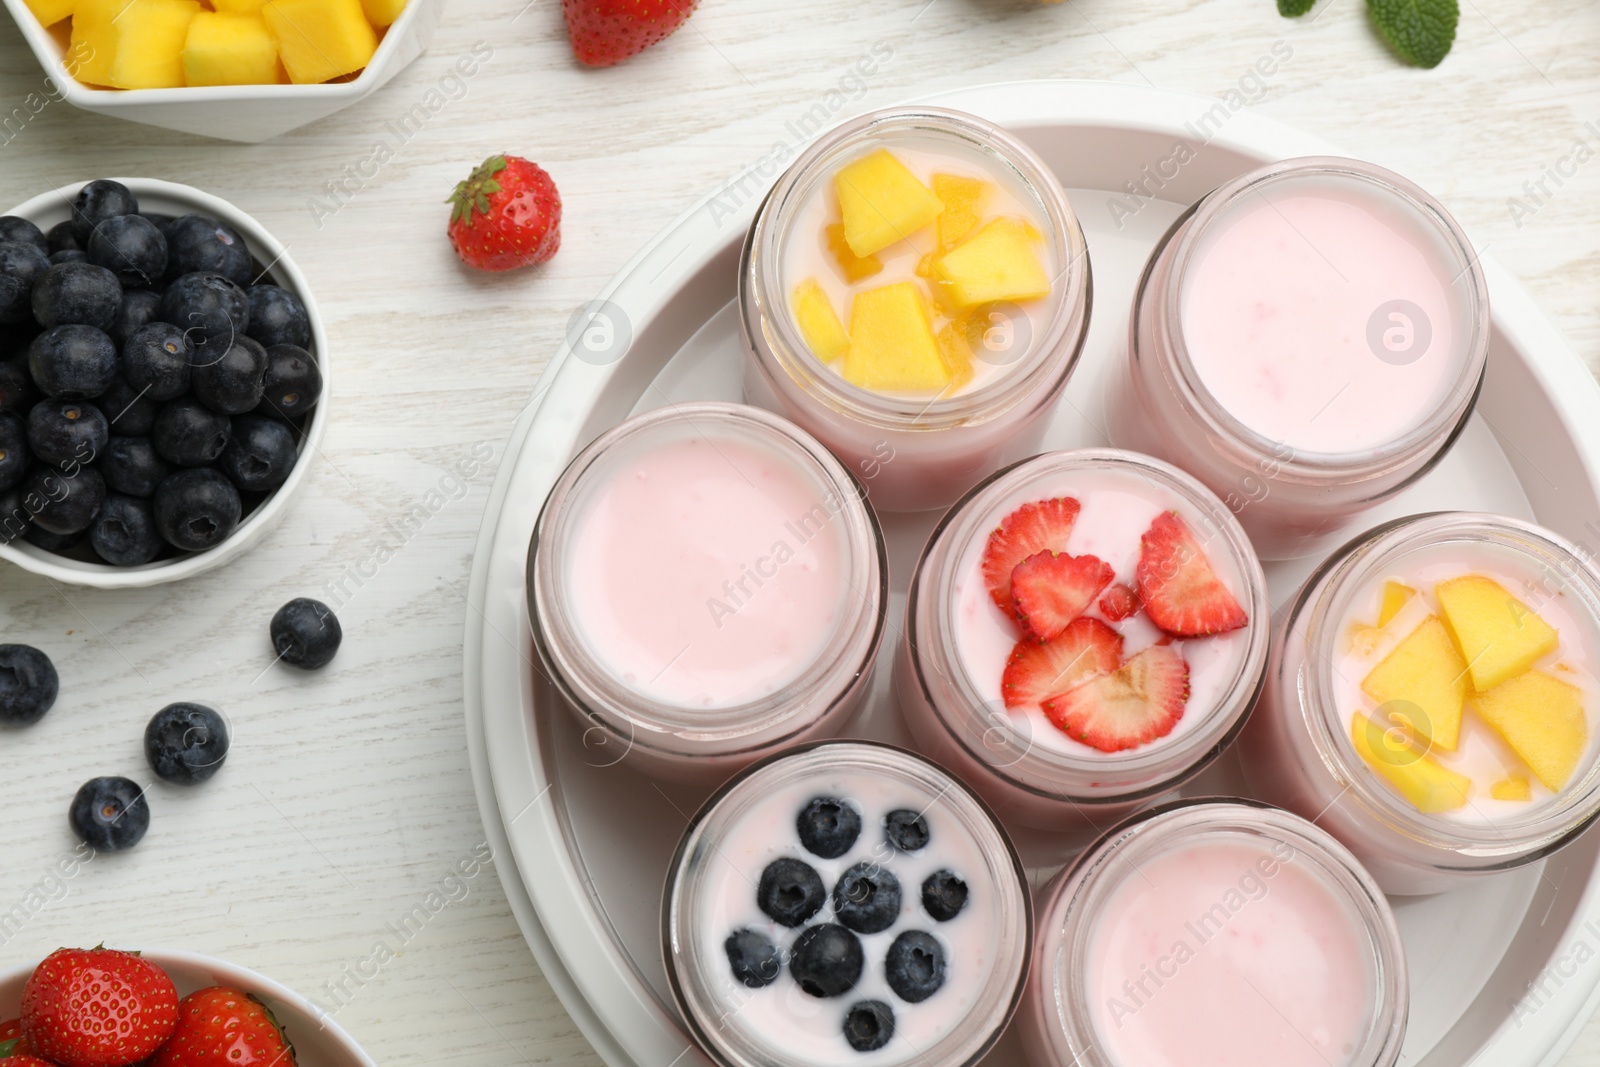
845,904
1086,631
1307,341
1215,931
706,585
915,292
1433,701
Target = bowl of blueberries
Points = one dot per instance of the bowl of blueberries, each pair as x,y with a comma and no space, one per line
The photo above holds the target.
162,372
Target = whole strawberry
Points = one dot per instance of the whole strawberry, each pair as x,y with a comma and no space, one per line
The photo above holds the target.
604,32
97,1007
506,215
222,1027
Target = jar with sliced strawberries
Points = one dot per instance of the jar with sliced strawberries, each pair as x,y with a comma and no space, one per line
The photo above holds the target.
1085,632
1433,698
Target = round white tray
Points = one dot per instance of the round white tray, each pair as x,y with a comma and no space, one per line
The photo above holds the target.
1499,970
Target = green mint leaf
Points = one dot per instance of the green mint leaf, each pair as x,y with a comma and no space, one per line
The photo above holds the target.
1421,31
1292,9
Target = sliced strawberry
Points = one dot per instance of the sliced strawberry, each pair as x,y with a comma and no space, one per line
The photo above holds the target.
1181,593
1037,670
1131,706
1119,603
1050,589
1030,529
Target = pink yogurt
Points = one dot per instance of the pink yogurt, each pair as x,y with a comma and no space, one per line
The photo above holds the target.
1116,508
711,571
1323,317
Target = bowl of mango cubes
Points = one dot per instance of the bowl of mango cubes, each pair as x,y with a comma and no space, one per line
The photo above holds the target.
238,70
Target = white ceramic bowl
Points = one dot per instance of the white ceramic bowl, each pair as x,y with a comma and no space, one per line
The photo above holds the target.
170,198
318,1040
249,113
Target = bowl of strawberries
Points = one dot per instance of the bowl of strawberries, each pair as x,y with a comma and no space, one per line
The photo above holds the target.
104,1007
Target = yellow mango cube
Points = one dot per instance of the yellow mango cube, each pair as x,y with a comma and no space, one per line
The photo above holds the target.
1514,788
1430,786
1395,597
50,12
93,47
150,35
1424,678
881,202
892,346
996,263
1498,634
224,49
854,267
1542,719
321,39
819,323
963,207
383,12
956,353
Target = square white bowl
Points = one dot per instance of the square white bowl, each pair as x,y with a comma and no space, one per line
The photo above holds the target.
170,198
248,113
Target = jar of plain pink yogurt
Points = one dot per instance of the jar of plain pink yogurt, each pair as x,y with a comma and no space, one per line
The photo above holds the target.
706,585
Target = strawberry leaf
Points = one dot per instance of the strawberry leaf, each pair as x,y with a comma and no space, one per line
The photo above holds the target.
7,1048
1290,9
1420,31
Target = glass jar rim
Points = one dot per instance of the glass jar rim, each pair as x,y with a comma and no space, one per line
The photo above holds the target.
651,723
1005,866
1354,568
761,276
1170,763
1093,878
1449,416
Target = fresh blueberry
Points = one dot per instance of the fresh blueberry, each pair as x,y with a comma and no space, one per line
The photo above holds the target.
210,309
61,239
77,294
14,517
20,230
260,454
124,533
943,895
14,452
28,684
790,891
277,317
138,308
73,362
292,385
196,509
110,814
61,432
233,382
186,743
61,503
867,898
201,243
16,386
132,466
306,634
68,255
53,542
826,960
128,408
753,957
828,826
869,1025
915,966
190,434
96,202
906,830
156,358
131,248
21,267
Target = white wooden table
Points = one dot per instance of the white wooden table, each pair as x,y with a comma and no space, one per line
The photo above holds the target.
347,798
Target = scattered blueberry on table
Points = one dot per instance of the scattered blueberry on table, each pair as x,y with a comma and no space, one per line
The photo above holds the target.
306,633
110,814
